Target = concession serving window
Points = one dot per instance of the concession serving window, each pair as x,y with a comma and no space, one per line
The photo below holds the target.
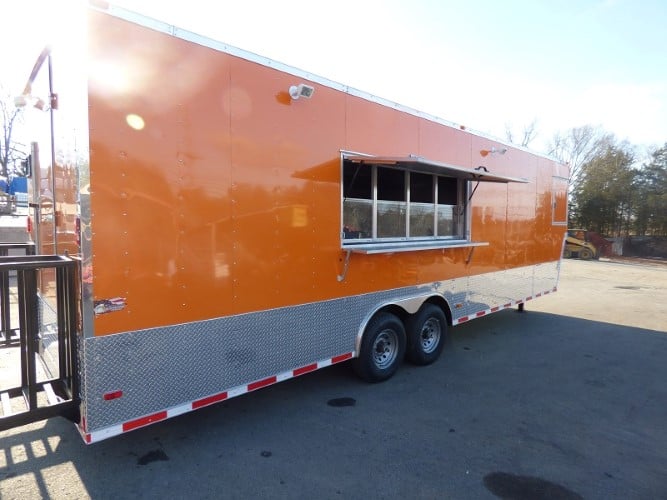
394,204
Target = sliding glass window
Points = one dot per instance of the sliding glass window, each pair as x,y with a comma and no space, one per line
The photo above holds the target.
388,203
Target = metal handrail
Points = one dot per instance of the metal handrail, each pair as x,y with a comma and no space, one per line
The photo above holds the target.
28,248
15,263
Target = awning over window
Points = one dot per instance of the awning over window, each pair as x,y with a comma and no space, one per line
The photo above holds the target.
419,164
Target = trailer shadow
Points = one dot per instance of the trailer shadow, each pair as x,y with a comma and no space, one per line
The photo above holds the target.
579,405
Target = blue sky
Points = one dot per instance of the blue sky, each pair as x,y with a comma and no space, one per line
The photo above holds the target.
481,63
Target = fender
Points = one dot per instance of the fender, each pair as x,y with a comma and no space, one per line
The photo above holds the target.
410,305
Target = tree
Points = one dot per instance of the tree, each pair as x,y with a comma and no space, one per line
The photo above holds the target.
9,115
651,191
604,196
529,133
578,146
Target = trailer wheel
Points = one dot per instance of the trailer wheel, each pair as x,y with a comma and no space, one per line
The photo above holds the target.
382,348
427,333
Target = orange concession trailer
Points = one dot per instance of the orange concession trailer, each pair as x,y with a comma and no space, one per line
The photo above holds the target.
208,222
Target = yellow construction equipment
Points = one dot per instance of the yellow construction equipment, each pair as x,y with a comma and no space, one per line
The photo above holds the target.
577,245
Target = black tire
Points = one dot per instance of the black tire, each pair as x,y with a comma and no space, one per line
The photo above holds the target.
427,334
567,254
585,254
382,348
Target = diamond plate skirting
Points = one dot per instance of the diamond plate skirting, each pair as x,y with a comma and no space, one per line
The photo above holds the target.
160,368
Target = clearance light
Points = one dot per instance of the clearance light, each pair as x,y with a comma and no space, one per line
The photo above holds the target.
112,395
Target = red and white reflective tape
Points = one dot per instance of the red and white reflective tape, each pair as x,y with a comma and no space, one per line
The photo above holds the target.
485,312
114,430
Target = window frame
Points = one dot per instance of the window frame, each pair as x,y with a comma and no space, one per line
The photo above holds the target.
461,210
408,165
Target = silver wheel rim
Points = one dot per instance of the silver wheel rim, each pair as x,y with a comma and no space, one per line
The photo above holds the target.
385,349
430,335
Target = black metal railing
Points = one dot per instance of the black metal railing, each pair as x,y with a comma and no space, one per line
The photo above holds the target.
9,335
22,276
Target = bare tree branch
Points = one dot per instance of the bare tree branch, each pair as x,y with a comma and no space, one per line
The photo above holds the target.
578,146
529,133
9,114
509,135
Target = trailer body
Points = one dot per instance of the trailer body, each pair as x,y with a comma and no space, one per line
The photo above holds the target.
231,236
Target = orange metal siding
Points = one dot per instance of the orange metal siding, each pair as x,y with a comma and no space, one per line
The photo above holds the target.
158,194
228,199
